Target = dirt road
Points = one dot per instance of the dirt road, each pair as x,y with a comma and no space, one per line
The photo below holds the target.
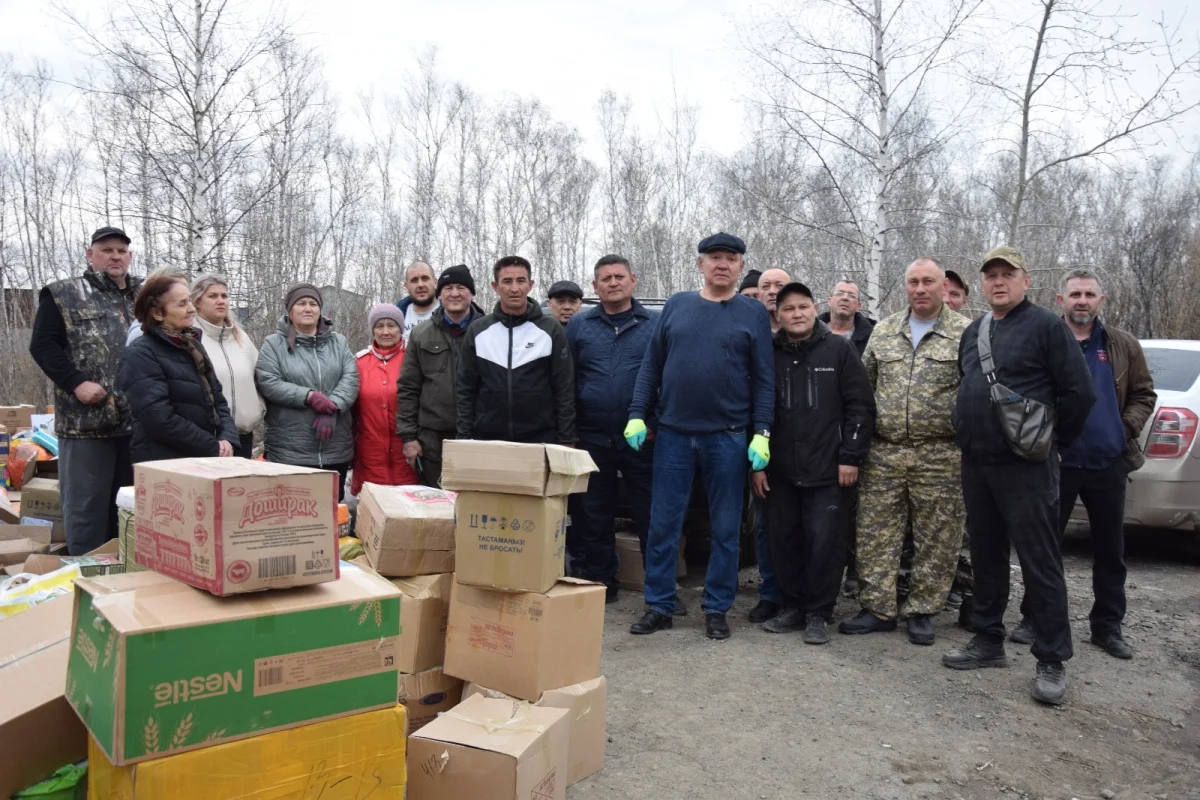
765,716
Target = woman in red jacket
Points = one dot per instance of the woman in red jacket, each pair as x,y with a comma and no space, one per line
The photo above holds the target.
378,451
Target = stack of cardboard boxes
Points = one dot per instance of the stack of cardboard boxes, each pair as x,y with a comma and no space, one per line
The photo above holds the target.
527,639
194,683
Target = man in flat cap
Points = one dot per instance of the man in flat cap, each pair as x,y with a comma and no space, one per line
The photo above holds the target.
709,369
1012,495
564,301
78,341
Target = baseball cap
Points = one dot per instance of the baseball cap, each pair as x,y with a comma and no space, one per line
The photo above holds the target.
795,287
565,287
109,232
1009,255
722,241
954,276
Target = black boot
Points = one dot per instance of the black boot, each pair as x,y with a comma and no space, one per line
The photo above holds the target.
866,622
787,621
716,626
650,622
1023,633
1050,685
920,629
965,611
981,651
763,611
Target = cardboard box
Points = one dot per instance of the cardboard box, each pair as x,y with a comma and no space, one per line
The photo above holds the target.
540,470
19,542
16,418
407,530
510,542
632,574
10,507
423,614
40,499
586,705
524,644
104,560
230,525
490,750
157,667
38,730
341,759
427,694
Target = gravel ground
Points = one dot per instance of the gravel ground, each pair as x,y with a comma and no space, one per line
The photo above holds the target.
766,716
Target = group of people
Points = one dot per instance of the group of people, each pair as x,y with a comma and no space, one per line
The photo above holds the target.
855,438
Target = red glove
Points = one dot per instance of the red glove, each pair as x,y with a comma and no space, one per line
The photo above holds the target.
323,425
321,404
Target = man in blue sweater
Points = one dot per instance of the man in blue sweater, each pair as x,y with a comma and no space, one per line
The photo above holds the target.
710,355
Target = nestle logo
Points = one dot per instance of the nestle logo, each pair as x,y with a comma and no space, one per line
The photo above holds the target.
278,504
198,688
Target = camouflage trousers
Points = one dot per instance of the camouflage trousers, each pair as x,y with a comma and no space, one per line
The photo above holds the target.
902,484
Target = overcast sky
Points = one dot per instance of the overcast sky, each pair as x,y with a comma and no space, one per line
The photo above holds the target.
563,53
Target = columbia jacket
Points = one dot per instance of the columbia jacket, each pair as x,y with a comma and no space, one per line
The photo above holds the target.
863,325
428,378
607,360
516,381
321,362
174,415
824,409
378,451
1037,357
234,358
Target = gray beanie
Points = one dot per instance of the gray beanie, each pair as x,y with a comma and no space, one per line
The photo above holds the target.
385,311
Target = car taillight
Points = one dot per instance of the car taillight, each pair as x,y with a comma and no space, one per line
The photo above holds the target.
1172,433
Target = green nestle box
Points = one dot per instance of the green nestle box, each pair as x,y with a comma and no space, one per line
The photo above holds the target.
158,667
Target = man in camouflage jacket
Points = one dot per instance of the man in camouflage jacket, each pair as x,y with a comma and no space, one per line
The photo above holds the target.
912,473
78,340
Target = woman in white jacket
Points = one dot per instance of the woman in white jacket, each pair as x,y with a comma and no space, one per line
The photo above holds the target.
232,354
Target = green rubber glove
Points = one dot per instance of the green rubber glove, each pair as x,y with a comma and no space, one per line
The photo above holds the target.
759,452
635,433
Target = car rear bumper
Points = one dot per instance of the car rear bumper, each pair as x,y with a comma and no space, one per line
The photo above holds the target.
1157,501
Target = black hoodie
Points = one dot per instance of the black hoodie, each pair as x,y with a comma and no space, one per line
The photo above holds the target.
516,380
824,409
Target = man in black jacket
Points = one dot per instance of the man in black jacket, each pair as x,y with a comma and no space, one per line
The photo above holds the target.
516,381
824,410
1011,501
845,318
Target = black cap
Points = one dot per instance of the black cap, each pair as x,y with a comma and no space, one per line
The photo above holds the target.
751,280
108,232
795,287
459,274
954,276
722,241
565,287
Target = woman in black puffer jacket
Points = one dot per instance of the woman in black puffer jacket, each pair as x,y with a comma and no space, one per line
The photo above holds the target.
179,410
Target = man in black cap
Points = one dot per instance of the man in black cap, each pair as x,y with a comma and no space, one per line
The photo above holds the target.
824,417
749,285
78,340
956,291
564,300
425,413
710,355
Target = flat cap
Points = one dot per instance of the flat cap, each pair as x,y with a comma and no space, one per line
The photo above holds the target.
565,287
109,232
722,241
1009,255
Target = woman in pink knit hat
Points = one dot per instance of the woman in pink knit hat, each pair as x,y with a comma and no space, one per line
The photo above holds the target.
378,451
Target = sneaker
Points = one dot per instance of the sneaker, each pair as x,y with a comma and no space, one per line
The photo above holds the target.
817,630
866,622
680,607
611,593
1114,644
789,620
1050,686
965,612
920,629
764,611
1023,633
979,652
716,626
954,600
650,622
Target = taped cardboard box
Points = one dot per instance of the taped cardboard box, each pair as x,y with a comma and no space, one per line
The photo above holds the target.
488,749
540,470
427,694
407,530
157,667
632,572
40,499
510,542
586,704
230,525
38,730
423,613
342,759
525,644
16,418
19,542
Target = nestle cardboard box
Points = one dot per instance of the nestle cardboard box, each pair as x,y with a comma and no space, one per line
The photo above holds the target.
540,470
157,667
490,750
340,759
407,530
423,612
510,542
230,525
586,710
16,418
427,694
632,572
19,542
38,730
525,644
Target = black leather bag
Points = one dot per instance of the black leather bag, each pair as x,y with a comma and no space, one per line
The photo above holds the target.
1028,425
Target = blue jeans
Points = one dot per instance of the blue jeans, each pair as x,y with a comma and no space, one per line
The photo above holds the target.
768,587
591,539
721,459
